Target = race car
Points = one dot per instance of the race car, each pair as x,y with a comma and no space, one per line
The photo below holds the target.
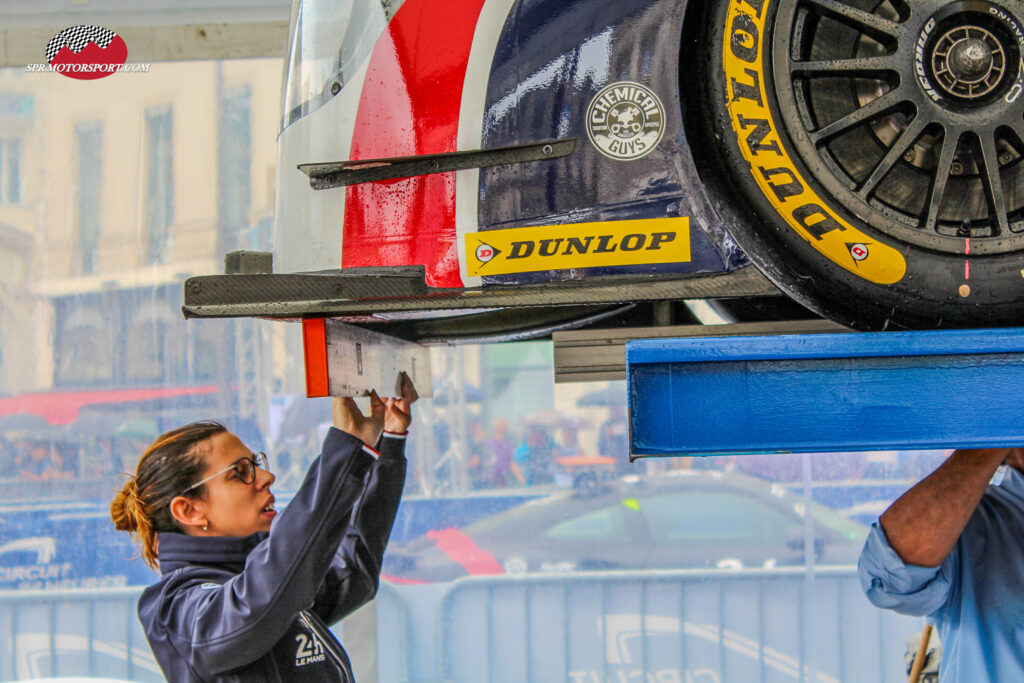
688,519
541,163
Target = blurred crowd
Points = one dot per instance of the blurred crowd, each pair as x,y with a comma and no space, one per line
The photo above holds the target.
38,460
462,452
32,466
544,448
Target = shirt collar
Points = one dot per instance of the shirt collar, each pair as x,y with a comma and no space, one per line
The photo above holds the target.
1013,480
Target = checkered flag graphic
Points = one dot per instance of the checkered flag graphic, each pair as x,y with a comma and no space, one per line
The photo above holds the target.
76,38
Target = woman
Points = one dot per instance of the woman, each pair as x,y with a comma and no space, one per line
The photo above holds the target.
246,593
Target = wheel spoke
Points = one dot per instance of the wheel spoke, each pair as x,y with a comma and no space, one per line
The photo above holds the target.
882,30
993,183
906,139
867,67
943,168
879,105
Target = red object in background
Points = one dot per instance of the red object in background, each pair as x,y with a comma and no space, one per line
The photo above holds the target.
61,408
398,579
116,53
586,461
410,106
460,548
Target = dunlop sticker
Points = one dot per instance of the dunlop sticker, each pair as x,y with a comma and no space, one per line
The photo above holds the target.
771,165
578,245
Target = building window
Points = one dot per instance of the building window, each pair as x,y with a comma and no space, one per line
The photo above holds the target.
234,162
207,339
10,171
89,137
155,348
85,346
159,187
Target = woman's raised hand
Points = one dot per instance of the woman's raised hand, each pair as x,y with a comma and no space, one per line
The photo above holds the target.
398,413
348,418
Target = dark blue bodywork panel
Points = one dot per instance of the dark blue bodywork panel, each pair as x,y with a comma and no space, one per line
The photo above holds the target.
551,61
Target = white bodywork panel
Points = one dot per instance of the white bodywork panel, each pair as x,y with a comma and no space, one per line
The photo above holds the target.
301,214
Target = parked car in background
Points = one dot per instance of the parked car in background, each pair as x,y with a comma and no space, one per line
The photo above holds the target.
684,519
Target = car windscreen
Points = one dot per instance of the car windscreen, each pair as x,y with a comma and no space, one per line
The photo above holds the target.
330,40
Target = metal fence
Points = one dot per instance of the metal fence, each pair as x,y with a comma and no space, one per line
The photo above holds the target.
659,627
597,627
81,632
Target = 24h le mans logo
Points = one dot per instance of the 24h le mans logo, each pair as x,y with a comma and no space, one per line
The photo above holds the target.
625,121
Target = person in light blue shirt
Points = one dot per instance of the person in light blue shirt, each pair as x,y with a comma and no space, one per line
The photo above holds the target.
952,549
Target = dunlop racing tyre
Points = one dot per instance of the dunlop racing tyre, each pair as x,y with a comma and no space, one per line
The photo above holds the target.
878,150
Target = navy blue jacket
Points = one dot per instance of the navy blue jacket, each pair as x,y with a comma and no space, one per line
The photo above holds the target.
257,608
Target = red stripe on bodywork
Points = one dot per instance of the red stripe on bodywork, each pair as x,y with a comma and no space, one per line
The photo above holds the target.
410,105
461,548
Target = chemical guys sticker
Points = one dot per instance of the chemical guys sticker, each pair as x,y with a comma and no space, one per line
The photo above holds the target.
625,121
770,163
578,245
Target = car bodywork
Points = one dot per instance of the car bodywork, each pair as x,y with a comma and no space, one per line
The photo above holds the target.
682,519
502,80
503,146
492,75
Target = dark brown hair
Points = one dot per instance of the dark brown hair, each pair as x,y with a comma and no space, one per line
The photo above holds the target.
169,466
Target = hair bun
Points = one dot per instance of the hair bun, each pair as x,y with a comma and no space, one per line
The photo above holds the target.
126,510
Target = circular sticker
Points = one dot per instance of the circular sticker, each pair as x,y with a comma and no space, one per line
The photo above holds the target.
485,252
625,121
858,251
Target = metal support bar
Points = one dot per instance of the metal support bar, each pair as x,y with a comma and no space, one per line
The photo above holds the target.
221,39
600,355
826,392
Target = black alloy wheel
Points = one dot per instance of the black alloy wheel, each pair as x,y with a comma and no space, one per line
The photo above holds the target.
879,148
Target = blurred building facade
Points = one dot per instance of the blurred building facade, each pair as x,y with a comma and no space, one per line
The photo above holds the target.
113,192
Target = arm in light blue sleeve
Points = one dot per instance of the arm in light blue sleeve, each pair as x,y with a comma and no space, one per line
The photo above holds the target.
891,583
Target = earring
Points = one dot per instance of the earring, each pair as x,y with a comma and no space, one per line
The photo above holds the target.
205,526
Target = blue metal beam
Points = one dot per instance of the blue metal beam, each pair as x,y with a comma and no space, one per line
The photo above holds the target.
826,392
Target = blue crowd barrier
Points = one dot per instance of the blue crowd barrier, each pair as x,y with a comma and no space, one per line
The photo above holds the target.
768,625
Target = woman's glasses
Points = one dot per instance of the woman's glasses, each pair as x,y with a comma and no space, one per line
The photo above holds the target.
245,469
